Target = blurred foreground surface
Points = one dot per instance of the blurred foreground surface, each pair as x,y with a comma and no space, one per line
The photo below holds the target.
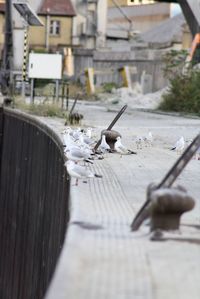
101,257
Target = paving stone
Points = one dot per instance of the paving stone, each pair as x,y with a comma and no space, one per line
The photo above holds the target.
102,258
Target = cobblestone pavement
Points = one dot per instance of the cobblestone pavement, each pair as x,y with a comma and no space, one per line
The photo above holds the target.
102,258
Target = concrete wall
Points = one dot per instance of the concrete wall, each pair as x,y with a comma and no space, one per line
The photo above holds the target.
143,17
35,4
18,39
107,64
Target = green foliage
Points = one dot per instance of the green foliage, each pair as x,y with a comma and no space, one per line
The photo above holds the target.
39,50
45,90
184,89
183,94
174,63
46,110
107,87
43,109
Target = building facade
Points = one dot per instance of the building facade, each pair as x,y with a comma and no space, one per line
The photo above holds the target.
112,3
138,18
56,34
57,17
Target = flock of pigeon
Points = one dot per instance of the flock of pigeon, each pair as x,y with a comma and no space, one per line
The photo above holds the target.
79,150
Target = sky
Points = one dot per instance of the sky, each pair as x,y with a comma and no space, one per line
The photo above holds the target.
175,9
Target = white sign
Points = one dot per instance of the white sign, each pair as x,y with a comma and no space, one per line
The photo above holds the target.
45,66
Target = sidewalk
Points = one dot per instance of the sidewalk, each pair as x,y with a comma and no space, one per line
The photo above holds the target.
102,258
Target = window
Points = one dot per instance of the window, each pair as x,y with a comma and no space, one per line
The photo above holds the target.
55,27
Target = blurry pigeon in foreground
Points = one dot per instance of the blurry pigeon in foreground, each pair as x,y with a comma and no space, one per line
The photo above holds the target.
89,132
197,154
179,145
79,172
104,146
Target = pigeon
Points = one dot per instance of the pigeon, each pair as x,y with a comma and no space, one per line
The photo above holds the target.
121,149
179,145
76,133
79,172
148,140
77,154
104,146
84,140
88,132
68,140
139,140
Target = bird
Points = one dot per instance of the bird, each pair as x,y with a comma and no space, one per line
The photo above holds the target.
84,140
77,154
79,172
88,132
148,139
179,145
104,146
121,149
139,140
74,133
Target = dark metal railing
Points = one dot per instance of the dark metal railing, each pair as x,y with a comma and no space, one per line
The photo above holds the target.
34,212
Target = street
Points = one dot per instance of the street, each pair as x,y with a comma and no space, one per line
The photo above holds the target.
101,257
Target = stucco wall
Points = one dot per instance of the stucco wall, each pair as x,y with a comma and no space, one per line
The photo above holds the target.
37,35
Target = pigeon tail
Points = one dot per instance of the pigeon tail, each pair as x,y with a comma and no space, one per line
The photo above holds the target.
132,152
98,175
89,161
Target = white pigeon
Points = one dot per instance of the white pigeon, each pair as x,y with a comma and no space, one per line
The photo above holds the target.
121,149
139,140
104,146
77,154
148,140
89,132
76,133
179,145
84,140
79,172
68,140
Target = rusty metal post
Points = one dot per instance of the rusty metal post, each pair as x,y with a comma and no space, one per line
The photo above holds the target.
111,125
166,182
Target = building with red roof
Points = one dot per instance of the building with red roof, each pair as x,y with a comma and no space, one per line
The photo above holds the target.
57,17
56,34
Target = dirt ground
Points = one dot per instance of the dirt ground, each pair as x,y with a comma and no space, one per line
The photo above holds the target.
102,258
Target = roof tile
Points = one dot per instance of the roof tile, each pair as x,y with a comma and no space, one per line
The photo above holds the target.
57,7
2,7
